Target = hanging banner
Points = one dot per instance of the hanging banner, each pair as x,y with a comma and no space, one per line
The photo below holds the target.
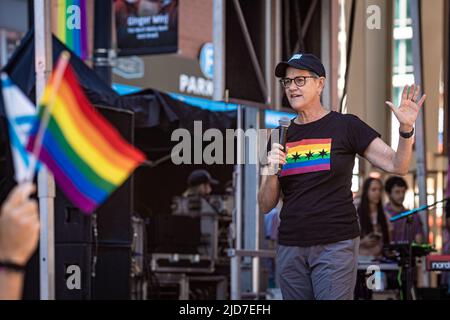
71,26
146,26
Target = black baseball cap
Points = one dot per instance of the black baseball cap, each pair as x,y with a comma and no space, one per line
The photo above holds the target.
198,177
301,61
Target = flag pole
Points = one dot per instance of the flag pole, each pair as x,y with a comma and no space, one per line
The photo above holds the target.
46,183
61,66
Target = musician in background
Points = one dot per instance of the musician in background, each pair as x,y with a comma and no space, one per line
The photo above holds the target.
199,183
374,231
373,222
446,247
396,189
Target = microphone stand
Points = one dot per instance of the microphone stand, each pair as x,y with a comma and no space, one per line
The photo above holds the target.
409,262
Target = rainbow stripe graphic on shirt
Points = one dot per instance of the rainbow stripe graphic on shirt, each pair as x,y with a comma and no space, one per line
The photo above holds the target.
308,155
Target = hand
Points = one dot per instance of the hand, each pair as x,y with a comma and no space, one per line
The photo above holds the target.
19,225
409,108
275,158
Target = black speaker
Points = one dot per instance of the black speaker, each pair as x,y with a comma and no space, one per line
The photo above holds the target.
84,272
71,225
112,221
73,269
112,273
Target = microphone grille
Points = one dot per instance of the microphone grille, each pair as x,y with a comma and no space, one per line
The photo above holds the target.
284,122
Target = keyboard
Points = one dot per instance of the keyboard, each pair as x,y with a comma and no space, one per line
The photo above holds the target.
438,262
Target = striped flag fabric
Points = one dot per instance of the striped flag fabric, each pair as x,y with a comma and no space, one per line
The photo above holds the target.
71,26
87,156
21,114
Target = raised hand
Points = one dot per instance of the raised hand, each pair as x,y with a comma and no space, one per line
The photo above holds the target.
409,108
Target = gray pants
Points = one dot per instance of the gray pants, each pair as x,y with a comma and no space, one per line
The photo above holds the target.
323,272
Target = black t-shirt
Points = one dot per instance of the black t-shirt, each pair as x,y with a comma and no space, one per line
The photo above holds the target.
316,182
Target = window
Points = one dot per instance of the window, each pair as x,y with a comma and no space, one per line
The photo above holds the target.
402,63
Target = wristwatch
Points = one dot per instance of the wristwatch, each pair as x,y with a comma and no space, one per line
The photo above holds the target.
406,135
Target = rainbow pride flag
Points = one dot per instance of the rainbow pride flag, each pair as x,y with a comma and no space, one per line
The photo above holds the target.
71,26
87,156
308,155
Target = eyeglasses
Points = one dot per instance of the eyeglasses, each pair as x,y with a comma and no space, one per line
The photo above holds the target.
299,81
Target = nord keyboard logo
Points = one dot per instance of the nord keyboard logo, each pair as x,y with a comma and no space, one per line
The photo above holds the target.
440,265
438,262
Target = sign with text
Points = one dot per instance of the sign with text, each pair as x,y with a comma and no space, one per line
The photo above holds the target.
146,26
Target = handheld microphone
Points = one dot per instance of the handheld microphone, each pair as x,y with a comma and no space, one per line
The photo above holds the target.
284,125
